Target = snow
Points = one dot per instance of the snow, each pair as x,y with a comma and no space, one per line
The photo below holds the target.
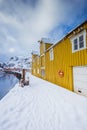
42,106
0,68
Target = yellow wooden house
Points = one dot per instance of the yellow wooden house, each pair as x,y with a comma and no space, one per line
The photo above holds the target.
44,45
35,64
65,63
38,61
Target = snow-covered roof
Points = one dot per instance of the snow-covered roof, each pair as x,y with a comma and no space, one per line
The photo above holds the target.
34,52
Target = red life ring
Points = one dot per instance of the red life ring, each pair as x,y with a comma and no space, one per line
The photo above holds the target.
61,73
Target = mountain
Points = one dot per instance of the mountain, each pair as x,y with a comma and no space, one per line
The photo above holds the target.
19,62
2,64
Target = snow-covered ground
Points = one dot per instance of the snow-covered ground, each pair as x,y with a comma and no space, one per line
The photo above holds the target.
42,106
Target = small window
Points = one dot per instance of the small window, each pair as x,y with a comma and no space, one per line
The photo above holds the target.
51,54
43,73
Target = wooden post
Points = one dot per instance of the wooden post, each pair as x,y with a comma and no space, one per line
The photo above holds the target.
23,72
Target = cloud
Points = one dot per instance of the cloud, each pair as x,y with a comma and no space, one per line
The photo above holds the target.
24,22
11,50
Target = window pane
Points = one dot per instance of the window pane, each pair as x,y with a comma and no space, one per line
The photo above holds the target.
81,38
75,40
81,42
75,44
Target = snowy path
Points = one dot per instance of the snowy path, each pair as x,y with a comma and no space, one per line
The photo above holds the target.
42,106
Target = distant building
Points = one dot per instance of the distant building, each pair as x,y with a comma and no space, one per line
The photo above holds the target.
38,61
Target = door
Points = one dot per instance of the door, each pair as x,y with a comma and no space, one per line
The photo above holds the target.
80,79
42,73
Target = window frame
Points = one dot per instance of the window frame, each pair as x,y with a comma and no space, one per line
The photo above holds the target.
83,33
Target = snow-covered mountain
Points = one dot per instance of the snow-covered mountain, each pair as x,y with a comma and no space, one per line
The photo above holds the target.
19,62
2,64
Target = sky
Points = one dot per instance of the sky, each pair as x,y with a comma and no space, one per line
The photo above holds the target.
24,22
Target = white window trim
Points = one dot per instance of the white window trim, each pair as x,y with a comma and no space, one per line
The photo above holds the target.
51,54
77,37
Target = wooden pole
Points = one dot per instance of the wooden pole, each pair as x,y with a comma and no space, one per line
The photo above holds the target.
23,72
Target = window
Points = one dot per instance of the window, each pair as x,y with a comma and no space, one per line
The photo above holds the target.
43,73
79,41
75,44
51,54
